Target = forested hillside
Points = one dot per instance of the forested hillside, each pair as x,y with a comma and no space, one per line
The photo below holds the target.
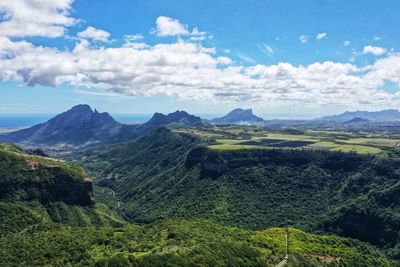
49,218
179,243
166,175
39,190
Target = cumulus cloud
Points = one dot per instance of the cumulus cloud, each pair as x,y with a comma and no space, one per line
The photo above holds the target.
94,34
24,18
346,43
166,26
321,35
189,70
192,71
374,50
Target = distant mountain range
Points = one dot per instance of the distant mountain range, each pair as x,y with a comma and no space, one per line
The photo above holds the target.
82,127
357,120
383,115
241,117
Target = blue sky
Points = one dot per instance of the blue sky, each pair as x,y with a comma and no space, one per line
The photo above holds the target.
281,58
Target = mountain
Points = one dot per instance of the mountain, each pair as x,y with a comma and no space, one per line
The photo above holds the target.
356,120
79,126
82,127
383,115
159,119
241,117
175,117
166,174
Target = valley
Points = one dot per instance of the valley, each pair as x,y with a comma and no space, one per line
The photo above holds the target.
199,133
187,192
42,226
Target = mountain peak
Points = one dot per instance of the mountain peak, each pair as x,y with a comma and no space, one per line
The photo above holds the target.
81,108
179,116
241,111
240,116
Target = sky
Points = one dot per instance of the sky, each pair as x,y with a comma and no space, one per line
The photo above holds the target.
283,58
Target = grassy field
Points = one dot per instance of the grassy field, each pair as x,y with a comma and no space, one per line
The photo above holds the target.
232,137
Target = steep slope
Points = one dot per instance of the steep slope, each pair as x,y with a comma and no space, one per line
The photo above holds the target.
166,174
383,115
240,117
43,208
180,243
25,177
39,190
82,127
79,126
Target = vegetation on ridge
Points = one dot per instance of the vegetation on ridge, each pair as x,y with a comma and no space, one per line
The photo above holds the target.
167,175
179,243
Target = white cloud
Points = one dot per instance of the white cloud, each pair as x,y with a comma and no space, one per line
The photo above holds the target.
197,38
190,70
304,38
377,38
346,43
166,26
133,37
170,27
374,50
24,18
266,49
94,34
321,35
196,31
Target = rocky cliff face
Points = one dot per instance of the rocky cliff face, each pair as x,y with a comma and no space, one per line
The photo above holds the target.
25,177
218,162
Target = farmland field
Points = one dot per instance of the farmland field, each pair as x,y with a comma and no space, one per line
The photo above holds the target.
248,137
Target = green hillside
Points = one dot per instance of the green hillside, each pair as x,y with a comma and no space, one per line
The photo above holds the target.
39,190
167,175
179,243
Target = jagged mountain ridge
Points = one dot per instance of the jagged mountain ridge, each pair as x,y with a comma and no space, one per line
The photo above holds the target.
82,127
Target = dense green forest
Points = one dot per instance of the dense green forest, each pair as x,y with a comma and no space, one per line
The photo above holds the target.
178,243
167,200
40,189
172,175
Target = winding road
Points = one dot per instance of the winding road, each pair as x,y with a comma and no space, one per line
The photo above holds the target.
285,259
